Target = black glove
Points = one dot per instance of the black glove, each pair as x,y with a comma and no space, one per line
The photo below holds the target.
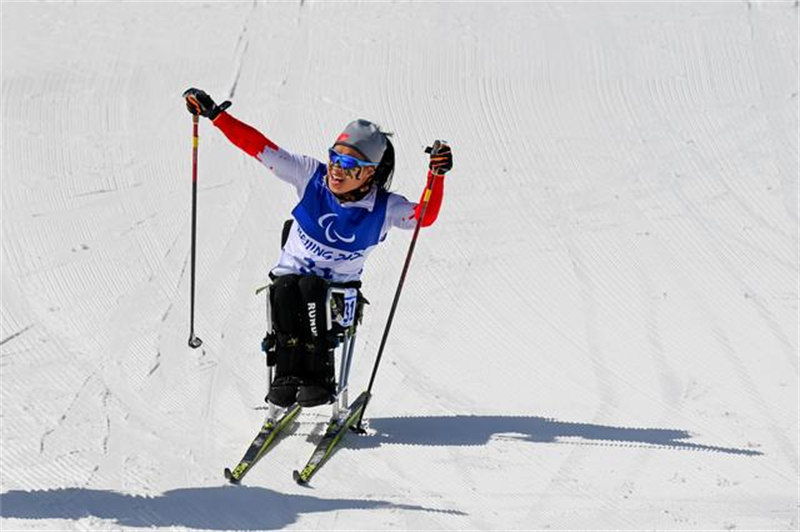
441,158
200,103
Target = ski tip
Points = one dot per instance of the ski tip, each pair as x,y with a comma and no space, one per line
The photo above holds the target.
298,478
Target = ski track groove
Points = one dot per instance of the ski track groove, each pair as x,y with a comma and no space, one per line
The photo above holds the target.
410,484
668,379
15,335
56,284
726,265
65,413
723,255
607,399
721,337
783,147
726,345
240,50
732,356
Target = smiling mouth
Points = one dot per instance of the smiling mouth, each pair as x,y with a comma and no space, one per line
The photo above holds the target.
336,177
334,180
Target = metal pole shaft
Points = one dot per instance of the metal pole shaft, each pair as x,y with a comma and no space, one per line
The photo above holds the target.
194,341
400,284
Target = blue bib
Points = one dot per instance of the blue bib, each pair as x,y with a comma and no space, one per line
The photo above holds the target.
324,219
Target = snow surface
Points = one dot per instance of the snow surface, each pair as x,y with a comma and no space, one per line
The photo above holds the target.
600,332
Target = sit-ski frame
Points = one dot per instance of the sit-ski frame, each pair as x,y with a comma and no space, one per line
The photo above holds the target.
346,347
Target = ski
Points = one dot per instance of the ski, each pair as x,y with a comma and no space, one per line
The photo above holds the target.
261,444
337,427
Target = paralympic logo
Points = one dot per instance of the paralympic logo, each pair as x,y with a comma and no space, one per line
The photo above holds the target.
329,229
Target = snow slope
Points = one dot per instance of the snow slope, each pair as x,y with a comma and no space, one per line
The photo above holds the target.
600,332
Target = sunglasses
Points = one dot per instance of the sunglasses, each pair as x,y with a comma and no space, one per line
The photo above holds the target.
347,162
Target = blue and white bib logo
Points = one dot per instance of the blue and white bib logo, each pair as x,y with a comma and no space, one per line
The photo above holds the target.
326,222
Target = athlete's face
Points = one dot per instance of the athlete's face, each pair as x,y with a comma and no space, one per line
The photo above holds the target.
342,181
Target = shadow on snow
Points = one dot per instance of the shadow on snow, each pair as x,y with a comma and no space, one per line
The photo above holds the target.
479,430
225,508
215,508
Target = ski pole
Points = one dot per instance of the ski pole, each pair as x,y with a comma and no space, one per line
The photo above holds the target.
194,341
425,198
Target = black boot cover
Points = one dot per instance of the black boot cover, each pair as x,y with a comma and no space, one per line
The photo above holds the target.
287,324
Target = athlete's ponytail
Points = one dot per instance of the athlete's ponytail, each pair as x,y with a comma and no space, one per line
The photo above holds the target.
385,171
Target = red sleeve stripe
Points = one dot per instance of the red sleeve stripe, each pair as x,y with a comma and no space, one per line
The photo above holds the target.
245,137
434,202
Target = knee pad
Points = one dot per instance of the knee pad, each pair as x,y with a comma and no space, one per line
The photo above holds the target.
286,311
313,291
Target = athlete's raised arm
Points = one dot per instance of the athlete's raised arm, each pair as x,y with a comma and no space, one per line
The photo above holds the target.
292,168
